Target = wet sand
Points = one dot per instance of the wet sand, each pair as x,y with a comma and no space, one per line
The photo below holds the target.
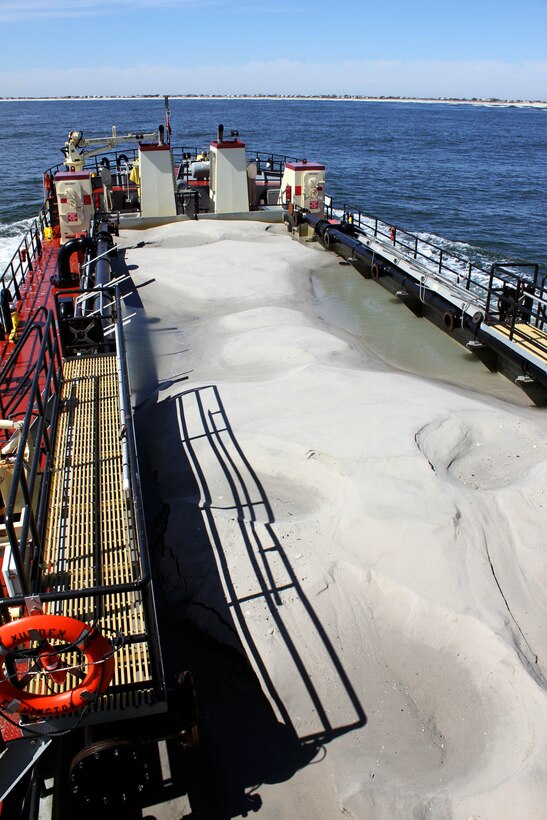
361,546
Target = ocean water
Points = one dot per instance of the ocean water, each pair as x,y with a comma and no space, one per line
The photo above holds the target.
472,177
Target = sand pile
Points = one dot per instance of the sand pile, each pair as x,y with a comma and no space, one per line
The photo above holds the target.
374,540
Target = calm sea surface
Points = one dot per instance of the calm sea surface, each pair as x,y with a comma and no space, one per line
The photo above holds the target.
475,175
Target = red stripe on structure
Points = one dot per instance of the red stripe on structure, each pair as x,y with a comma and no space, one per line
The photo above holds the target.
230,144
305,166
146,147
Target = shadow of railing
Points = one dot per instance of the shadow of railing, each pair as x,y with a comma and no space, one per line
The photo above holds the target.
223,564
259,582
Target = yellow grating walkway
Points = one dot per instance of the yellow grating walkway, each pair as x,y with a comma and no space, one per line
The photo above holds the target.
531,339
89,515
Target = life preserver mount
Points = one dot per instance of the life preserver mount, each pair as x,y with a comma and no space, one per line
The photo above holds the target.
53,635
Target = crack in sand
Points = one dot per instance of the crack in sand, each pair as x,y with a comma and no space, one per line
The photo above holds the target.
212,609
418,445
461,446
529,664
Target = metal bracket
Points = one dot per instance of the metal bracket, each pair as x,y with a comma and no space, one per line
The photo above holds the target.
33,605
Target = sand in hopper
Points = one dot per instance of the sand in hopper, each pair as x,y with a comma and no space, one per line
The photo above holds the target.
378,537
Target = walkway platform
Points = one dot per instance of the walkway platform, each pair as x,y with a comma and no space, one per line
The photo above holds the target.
89,540
531,339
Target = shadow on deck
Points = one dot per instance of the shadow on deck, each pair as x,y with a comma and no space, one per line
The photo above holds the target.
229,561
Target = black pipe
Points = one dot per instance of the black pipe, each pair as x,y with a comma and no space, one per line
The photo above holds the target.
38,242
97,274
32,800
5,311
104,245
64,278
103,274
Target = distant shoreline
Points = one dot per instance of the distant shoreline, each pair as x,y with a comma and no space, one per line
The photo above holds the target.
297,97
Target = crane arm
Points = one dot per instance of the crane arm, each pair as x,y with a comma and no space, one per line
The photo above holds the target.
74,152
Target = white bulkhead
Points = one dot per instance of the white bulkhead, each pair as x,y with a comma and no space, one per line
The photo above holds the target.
228,183
303,184
75,202
157,184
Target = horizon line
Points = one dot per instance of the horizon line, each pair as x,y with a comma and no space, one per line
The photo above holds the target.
364,97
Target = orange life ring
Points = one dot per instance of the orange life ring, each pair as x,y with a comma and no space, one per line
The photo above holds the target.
45,628
392,233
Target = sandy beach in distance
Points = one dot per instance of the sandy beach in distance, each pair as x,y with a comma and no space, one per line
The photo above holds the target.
372,540
285,97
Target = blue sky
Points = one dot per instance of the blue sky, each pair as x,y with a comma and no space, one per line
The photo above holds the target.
466,48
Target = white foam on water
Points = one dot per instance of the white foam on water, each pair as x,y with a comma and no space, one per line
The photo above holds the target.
11,236
456,258
464,250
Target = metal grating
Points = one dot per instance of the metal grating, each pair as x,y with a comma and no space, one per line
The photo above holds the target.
89,539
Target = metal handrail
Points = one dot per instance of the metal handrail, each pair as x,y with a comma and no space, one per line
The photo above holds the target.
41,411
266,160
270,163
24,259
10,409
414,245
43,406
487,286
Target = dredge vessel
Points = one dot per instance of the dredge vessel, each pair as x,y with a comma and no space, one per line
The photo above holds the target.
83,696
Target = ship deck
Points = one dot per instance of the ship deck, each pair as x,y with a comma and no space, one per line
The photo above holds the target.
72,535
